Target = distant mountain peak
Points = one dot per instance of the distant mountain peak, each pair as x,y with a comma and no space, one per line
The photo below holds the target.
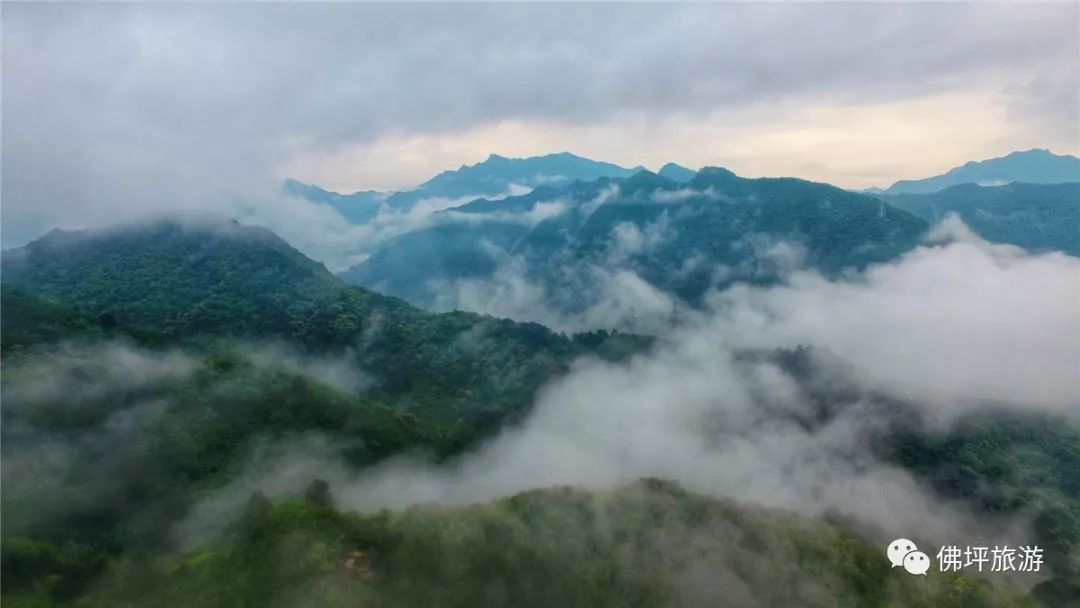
645,180
715,173
497,174
1036,166
677,173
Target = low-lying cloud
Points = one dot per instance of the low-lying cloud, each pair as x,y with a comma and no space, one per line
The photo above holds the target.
90,372
955,327
959,321
580,297
82,419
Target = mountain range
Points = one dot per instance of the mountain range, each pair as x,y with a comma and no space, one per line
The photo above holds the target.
499,176
685,232
1034,166
144,365
682,238
496,176
1037,217
208,277
152,372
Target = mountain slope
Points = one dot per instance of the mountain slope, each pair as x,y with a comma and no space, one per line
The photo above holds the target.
218,279
676,173
358,207
1037,217
683,238
651,544
88,526
497,173
1032,166
108,449
494,177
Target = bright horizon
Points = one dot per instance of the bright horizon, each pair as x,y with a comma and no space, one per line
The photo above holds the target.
120,110
348,186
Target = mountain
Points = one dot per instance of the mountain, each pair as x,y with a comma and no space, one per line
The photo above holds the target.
1034,166
217,279
358,207
1038,217
494,177
651,544
176,395
103,461
146,364
677,173
714,230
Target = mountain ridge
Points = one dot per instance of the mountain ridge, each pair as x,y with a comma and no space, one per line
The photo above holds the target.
1037,165
1037,217
218,278
717,220
496,176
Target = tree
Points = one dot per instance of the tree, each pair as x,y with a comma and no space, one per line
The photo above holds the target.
318,493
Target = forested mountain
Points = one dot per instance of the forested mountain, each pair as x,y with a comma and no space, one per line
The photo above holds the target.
147,368
648,545
210,278
1032,166
496,176
714,230
1038,217
279,330
676,173
358,207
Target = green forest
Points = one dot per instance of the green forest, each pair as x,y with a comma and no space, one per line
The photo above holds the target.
134,388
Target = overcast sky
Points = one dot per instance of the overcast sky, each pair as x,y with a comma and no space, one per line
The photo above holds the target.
117,110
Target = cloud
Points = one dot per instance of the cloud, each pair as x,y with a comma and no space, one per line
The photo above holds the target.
339,371
961,321
117,110
90,372
539,212
767,257
627,240
323,234
577,297
278,469
956,327
606,195
122,387
83,421
677,196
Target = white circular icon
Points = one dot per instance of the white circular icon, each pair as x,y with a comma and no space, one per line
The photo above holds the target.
898,549
917,562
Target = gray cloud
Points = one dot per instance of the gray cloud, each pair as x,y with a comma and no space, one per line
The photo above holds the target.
582,297
957,323
339,371
114,110
77,465
956,327
325,235
91,372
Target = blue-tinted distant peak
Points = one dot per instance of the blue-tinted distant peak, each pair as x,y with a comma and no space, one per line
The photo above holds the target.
499,174
645,180
1035,166
677,173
